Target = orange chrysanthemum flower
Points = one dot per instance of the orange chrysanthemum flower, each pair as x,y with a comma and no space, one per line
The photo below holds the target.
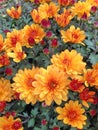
37,18
76,85
17,53
69,61
12,39
87,96
23,85
93,2
41,1
64,18
6,91
73,35
14,13
81,8
91,76
4,60
48,10
33,33
10,123
65,2
49,85
72,114
1,43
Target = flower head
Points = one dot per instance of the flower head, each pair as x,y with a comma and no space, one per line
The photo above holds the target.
2,105
23,84
73,35
14,13
17,54
4,60
48,10
65,2
76,85
72,114
81,8
1,43
87,96
49,85
6,91
64,18
10,123
90,76
33,33
69,61
40,1
35,14
12,39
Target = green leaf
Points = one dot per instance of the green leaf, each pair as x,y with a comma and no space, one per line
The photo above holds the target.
36,128
31,122
34,112
93,58
73,128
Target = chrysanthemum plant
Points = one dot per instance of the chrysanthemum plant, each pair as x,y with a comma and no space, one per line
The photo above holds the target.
48,65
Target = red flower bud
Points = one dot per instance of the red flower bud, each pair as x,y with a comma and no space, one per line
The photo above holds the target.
55,128
8,71
54,43
2,105
42,42
93,9
44,122
46,51
45,23
49,34
92,112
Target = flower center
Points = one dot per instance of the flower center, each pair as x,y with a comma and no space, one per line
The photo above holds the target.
29,82
14,41
34,33
52,84
6,127
66,61
20,55
72,115
75,36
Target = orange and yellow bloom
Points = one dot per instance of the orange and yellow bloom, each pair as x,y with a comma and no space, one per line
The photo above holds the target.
49,85
1,43
73,35
23,84
14,13
10,123
72,114
6,91
17,54
48,10
33,33
69,61
76,85
64,18
87,96
81,9
65,2
35,14
12,39
4,60
90,76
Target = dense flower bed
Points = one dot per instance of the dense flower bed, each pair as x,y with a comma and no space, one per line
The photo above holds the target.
48,65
